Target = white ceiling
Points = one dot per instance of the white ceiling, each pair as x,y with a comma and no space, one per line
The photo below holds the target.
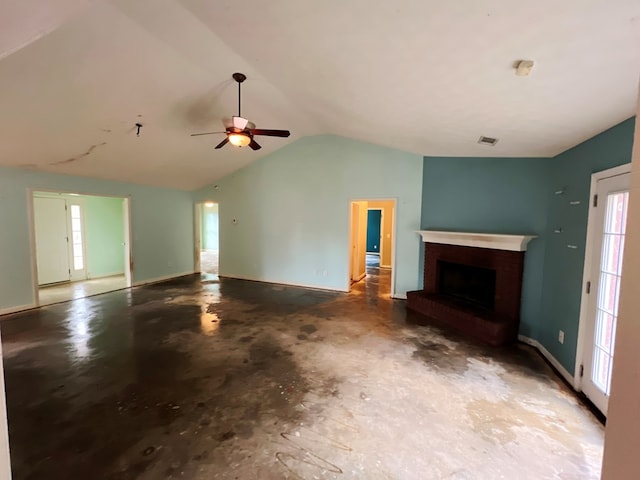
425,76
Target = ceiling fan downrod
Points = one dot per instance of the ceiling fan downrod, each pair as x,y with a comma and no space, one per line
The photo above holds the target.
239,77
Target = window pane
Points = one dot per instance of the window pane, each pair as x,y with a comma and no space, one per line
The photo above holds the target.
77,237
75,211
604,331
615,213
607,296
75,225
78,263
600,375
611,248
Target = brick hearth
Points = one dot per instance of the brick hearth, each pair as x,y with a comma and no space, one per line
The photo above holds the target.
495,327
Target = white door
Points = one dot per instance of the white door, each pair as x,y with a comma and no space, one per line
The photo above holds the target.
52,259
607,241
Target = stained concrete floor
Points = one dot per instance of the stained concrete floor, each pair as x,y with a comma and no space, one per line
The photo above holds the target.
206,378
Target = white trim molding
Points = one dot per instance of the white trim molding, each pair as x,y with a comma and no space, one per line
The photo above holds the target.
552,360
285,283
162,279
496,241
20,308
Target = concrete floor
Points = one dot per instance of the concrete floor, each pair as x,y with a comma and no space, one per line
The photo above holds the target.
71,290
206,378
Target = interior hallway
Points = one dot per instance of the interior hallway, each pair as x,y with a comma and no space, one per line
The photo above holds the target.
203,379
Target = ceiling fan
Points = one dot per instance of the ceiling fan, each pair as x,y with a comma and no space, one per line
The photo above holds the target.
241,132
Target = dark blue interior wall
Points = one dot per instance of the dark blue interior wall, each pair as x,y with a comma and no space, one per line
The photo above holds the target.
373,230
563,266
497,195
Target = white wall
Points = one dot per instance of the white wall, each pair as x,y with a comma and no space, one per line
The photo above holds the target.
292,211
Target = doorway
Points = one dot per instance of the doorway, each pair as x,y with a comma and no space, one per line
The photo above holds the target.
207,238
603,270
371,245
80,245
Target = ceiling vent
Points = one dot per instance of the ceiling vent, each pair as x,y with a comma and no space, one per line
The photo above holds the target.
488,141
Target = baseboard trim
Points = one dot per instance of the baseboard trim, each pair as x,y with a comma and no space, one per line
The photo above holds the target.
161,279
19,308
288,284
399,296
550,358
105,275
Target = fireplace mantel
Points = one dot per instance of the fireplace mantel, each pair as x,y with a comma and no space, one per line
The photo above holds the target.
497,241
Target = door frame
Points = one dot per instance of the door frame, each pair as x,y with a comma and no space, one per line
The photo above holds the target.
394,222
587,271
127,247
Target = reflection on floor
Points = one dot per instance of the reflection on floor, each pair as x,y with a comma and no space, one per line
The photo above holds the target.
69,291
230,379
209,261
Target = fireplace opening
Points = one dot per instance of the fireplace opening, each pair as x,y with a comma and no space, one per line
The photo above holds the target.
471,285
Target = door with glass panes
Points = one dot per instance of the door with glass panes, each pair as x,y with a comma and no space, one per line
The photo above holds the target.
607,240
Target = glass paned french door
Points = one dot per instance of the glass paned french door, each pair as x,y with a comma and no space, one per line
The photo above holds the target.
607,227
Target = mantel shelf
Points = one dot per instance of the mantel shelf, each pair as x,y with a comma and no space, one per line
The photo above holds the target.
497,241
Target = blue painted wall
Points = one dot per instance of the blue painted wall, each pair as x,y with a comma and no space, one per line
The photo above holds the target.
563,267
285,217
498,195
517,195
373,230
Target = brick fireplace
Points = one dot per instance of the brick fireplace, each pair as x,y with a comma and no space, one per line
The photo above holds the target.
472,283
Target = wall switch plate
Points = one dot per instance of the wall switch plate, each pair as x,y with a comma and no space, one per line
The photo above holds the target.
561,336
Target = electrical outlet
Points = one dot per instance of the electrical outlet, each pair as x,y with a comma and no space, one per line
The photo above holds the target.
561,336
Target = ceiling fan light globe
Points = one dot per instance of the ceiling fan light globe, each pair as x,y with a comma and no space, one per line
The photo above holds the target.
239,139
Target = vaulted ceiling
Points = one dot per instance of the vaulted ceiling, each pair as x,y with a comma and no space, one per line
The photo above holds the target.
425,76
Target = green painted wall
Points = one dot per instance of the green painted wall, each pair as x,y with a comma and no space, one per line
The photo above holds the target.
563,267
104,231
285,217
498,195
162,228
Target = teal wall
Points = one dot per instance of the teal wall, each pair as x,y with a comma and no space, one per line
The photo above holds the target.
162,228
104,231
498,195
563,267
291,211
517,195
374,218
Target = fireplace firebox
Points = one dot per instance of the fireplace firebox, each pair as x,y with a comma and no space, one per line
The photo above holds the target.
467,284
475,290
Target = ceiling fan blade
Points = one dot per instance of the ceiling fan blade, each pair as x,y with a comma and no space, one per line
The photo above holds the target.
255,145
270,133
205,133
223,142
239,122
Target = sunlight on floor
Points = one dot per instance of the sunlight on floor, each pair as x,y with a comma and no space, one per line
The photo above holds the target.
73,290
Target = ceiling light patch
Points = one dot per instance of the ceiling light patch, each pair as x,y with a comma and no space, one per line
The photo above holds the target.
489,141
524,68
